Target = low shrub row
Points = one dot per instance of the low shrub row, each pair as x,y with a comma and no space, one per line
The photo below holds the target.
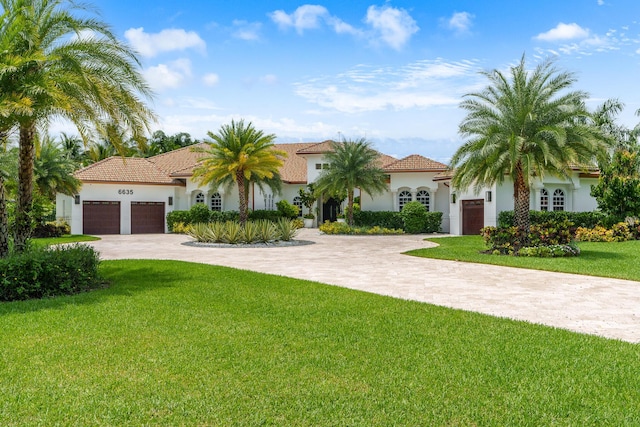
579,219
550,251
413,219
48,272
619,232
232,232
343,228
51,229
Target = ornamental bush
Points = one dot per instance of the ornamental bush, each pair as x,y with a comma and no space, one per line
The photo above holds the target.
175,217
199,213
551,251
287,210
49,272
620,232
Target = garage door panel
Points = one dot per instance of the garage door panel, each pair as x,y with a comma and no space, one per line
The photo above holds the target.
147,217
100,217
472,216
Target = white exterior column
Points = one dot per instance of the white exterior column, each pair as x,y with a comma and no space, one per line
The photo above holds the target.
394,195
414,193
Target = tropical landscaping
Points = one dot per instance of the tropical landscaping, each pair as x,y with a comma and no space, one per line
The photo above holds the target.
136,342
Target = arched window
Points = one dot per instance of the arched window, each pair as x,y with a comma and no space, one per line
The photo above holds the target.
298,202
423,197
200,198
558,200
216,202
404,197
544,200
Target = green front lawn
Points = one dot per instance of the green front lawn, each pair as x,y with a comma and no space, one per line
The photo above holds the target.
69,238
617,260
173,343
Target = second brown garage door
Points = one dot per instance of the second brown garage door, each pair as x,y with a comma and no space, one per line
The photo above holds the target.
100,217
472,216
147,217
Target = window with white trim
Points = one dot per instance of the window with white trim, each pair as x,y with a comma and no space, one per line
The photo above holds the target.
298,202
404,197
544,200
216,202
200,197
558,200
422,196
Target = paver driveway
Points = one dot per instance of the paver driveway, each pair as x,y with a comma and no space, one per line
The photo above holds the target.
606,307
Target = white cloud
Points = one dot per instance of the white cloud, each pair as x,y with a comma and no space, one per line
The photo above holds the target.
421,84
211,79
305,17
168,40
393,26
249,31
600,2
460,22
564,32
168,76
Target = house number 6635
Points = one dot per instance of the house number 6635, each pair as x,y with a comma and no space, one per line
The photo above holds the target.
127,192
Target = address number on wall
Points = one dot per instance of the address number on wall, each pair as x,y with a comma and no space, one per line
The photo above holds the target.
126,192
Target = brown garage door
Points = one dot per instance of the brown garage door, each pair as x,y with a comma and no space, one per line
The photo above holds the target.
472,216
147,217
100,217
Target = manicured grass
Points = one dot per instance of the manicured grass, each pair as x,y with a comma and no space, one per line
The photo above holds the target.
172,343
617,260
69,238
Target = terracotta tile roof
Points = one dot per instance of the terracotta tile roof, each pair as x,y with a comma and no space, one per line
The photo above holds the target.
294,170
415,163
318,147
443,176
124,169
178,160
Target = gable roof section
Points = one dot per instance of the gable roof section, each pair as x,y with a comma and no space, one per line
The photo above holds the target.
124,169
415,163
294,170
178,160
317,147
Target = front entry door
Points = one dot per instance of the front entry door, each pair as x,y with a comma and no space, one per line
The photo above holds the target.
330,210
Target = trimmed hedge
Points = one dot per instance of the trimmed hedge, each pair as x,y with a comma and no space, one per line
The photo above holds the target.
48,272
579,219
199,213
384,219
265,214
393,220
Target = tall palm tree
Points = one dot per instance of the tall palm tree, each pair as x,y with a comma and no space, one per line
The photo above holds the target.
8,162
353,164
524,126
243,154
55,63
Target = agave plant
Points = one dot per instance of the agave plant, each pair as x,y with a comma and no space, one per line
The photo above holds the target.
266,231
217,230
286,229
232,232
198,231
250,232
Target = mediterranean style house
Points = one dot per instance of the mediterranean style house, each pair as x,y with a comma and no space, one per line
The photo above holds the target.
133,195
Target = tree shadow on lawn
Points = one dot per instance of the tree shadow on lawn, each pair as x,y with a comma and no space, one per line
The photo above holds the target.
120,281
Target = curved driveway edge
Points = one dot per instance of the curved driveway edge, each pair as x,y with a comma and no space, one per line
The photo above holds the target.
591,305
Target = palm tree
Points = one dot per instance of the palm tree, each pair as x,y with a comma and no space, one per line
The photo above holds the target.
353,164
54,171
242,154
524,126
8,162
55,64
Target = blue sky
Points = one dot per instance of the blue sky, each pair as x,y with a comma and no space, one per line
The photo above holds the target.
393,72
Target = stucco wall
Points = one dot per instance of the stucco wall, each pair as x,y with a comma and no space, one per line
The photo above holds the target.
124,193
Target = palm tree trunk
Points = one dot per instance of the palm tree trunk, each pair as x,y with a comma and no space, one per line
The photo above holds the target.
521,195
243,197
4,222
25,186
350,207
